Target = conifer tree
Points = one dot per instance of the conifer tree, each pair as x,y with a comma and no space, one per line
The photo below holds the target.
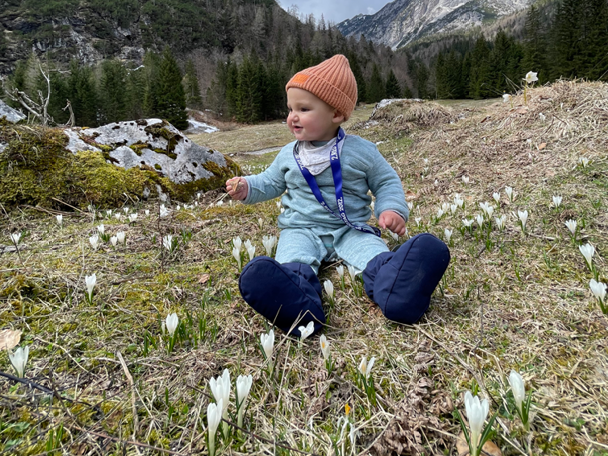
136,92
535,45
112,93
393,89
480,76
152,84
82,93
249,91
422,80
191,87
171,101
376,88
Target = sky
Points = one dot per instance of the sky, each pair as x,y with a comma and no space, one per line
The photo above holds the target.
335,10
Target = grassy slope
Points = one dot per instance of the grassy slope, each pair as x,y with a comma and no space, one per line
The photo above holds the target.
508,301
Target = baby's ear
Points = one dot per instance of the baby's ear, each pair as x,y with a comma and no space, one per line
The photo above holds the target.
338,117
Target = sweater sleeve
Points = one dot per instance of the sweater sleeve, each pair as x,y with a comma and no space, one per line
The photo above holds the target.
269,184
385,184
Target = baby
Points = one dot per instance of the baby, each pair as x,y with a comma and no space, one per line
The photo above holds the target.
324,177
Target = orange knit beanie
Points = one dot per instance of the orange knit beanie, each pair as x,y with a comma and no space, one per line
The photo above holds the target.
332,81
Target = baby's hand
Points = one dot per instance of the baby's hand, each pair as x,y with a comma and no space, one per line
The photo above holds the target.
237,188
392,221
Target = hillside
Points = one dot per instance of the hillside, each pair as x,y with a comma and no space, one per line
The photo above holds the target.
104,376
92,30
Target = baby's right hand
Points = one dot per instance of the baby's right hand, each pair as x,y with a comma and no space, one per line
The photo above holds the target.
237,188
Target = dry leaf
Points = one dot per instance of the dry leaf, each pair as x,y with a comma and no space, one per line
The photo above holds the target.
542,146
410,195
9,339
489,447
203,278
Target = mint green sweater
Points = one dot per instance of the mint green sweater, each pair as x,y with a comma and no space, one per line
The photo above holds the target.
363,169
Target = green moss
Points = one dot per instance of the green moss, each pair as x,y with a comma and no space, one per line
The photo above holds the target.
158,167
137,147
36,169
164,152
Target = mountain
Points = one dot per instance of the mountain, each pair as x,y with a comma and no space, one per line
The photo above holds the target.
403,21
93,30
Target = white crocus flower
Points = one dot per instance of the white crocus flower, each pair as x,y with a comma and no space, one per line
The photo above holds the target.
101,229
542,117
147,212
261,222
584,161
598,289
557,201
282,210
439,213
251,251
132,217
214,417
329,289
510,194
395,236
465,179
523,218
171,323
445,207
501,222
477,413
506,97
59,219
453,208
121,237
168,242
19,359
531,77
448,235
94,240
236,253
267,341
243,386
220,388
352,272
278,203
306,331
90,282
109,213
118,216
219,203
587,250
458,201
269,243
489,211
324,346
163,212
519,391
410,205
468,222
340,270
113,241
126,210
479,219
496,197
571,225
15,237
365,368
237,243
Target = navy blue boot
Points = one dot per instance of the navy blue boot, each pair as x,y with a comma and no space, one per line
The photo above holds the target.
402,282
283,293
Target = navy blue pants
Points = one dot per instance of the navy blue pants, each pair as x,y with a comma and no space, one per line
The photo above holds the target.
401,283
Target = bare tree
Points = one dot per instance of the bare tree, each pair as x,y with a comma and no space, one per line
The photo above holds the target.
39,109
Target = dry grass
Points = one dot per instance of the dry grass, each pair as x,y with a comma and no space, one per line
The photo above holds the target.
508,301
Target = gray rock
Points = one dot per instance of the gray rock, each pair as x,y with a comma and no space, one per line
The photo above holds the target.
12,115
153,143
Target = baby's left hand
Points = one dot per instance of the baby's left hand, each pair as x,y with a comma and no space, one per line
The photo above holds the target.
392,221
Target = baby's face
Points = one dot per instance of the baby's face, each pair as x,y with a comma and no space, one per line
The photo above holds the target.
310,118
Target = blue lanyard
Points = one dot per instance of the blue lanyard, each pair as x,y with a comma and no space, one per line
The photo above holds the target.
336,170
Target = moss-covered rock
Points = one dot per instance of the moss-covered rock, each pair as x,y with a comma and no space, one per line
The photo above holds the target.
37,169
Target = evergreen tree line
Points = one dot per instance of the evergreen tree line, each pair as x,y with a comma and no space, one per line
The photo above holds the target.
112,91
571,44
254,90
